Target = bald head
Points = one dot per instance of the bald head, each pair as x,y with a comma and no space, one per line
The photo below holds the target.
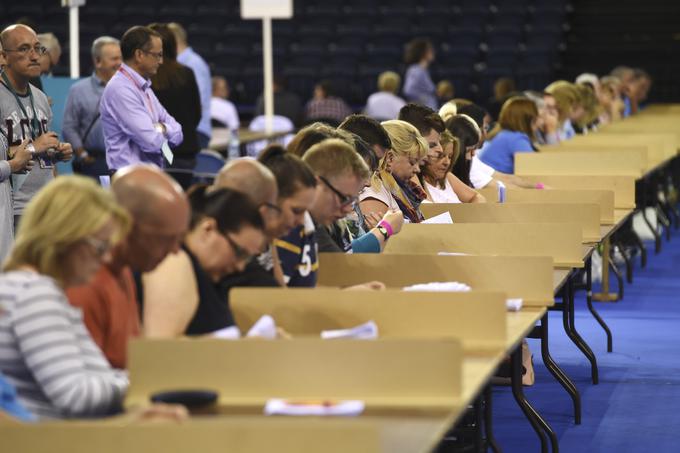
250,177
21,64
8,36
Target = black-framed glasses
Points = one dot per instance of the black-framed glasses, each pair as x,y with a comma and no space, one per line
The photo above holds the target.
156,55
241,253
26,49
344,199
273,207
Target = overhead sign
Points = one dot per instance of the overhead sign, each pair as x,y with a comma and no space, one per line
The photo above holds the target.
258,9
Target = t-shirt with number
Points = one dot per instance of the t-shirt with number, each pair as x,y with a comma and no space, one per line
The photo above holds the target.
16,126
298,254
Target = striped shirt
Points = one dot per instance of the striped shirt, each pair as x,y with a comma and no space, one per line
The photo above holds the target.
47,354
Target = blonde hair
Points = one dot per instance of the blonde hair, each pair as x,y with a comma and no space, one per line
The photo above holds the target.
446,139
448,110
66,211
334,157
389,81
406,140
566,96
590,104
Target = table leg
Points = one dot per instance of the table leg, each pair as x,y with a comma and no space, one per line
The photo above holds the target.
605,295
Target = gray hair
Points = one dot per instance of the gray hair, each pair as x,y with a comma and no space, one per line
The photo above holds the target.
101,42
50,41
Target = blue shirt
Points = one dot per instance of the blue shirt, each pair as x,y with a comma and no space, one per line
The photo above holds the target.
419,87
298,254
10,404
201,70
499,152
82,107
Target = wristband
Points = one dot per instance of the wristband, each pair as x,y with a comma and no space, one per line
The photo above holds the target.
539,186
385,224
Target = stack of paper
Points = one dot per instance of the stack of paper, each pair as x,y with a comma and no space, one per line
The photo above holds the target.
367,331
443,218
439,286
290,407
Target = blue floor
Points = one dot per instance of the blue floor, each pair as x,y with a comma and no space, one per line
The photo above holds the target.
636,406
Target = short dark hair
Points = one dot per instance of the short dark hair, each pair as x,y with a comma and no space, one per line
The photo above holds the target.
327,87
168,38
475,112
368,129
362,148
291,172
422,117
232,210
416,49
461,128
137,37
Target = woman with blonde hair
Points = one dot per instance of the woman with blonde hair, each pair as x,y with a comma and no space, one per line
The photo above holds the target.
514,133
391,186
46,352
567,98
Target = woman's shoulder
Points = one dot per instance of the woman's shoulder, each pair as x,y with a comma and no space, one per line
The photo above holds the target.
21,280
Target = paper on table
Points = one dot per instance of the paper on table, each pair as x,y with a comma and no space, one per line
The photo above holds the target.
265,327
277,406
513,304
438,286
452,254
366,331
167,152
443,218
228,333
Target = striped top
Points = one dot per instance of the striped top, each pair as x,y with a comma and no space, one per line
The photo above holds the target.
47,354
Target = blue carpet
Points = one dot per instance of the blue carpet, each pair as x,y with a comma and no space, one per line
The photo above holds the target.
636,406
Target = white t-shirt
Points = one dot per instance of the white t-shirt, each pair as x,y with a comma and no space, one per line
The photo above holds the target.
224,112
480,173
382,195
383,106
445,195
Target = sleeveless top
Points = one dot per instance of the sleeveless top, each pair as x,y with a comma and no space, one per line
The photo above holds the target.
213,312
445,195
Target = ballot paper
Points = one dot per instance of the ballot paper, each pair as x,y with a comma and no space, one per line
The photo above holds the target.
277,406
452,254
513,304
443,218
167,152
439,286
367,331
228,333
265,327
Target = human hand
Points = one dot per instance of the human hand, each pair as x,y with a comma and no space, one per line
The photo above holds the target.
21,158
64,151
372,219
369,286
48,140
160,412
395,219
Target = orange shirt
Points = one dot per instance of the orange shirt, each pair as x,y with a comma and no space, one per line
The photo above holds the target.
110,312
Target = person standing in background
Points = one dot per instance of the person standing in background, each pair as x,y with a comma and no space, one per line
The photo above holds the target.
418,85
50,58
82,127
223,112
175,86
188,57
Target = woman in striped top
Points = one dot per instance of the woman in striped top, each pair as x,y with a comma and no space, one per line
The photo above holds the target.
46,352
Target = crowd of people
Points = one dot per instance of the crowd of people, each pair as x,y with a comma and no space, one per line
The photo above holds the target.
86,268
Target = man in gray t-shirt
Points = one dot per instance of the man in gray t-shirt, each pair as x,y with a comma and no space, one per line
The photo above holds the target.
26,112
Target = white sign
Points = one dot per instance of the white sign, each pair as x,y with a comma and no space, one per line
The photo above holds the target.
258,9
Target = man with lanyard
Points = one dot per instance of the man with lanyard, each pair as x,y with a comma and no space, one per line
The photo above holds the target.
26,113
82,127
137,129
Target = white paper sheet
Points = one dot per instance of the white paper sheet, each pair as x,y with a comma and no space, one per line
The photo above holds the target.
265,327
366,331
514,304
277,406
167,152
443,218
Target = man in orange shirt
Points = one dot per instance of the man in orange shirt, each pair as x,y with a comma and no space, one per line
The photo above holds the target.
160,214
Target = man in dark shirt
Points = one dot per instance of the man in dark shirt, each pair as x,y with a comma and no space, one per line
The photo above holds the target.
286,103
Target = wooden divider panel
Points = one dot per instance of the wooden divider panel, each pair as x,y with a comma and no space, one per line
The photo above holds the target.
624,163
383,373
476,318
623,186
529,278
603,198
586,215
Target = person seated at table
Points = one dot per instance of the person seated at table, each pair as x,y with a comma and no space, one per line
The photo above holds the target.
326,106
182,296
568,108
370,131
589,115
430,125
46,352
436,176
610,100
391,187
385,104
514,133
315,133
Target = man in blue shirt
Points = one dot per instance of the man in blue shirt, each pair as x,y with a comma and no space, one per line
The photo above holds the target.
82,126
189,58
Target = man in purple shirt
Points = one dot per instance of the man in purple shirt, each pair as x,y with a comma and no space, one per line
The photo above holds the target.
136,126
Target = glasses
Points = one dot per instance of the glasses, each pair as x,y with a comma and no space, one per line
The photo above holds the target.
344,199
26,49
156,55
100,246
273,207
241,253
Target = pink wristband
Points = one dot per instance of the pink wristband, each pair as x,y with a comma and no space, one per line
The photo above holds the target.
539,185
385,224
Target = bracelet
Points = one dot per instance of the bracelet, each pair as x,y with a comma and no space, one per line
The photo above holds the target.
539,186
385,224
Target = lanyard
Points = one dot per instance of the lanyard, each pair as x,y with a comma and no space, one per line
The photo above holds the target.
148,98
33,123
